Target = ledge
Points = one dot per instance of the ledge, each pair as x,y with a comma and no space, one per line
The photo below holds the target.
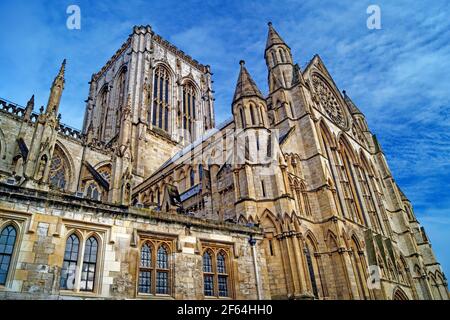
62,201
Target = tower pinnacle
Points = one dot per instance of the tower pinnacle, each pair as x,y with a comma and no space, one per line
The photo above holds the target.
245,86
56,91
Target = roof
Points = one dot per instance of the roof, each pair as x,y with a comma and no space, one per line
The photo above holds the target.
273,37
245,86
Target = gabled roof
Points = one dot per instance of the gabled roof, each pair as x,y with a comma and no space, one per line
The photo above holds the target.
245,86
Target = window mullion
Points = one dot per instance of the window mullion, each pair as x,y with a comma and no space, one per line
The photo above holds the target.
79,268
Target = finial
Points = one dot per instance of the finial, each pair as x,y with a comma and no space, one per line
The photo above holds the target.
242,62
59,116
41,109
344,92
269,23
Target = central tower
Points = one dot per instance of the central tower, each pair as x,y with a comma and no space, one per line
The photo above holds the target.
145,104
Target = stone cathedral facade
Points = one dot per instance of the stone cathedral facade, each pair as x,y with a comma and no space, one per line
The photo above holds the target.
291,198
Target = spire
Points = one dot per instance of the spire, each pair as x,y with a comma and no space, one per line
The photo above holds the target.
29,108
273,37
351,106
56,90
245,86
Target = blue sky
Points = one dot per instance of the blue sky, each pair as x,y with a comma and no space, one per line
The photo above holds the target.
399,76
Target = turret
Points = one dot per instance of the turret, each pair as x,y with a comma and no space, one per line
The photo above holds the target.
279,61
249,105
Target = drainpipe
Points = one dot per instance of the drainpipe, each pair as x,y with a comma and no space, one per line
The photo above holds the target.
252,243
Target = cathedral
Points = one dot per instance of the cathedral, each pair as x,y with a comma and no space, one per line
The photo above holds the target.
291,198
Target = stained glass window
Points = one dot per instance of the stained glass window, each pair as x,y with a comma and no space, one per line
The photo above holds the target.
7,241
58,176
89,265
69,267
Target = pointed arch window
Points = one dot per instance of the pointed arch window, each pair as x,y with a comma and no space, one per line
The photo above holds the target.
252,115
283,59
305,199
349,186
154,268
162,271
58,175
68,271
222,275
274,58
208,274
161,107
216,273
7,242
145,269
89,265
189,111
241,112
79,270
312,275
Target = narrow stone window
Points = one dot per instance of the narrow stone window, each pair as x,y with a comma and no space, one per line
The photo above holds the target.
69,267
7,242
145,269
89,265
208,274
161,94
162,271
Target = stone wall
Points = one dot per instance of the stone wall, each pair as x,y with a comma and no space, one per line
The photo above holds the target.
44,221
